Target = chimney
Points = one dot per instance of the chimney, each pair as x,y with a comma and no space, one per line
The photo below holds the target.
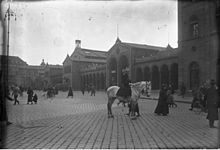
78,43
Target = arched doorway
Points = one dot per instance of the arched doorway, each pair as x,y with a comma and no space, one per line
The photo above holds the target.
164,75
113,71
102,81
98,81
174,75
194,75
155,78
124,69
139,75
147,76
94,80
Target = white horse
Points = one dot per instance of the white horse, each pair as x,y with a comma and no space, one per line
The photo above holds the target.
136,89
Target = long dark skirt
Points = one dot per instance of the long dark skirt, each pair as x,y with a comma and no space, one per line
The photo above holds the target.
212,113
162,108
124,92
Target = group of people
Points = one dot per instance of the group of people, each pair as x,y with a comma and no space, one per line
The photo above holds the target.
90,89
206,97
16,91
31,96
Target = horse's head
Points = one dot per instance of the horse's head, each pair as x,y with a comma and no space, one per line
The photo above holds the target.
139,86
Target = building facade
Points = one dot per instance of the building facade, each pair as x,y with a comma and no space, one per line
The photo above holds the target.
80,59
198,40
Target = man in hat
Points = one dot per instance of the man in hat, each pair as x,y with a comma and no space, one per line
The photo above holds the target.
212,103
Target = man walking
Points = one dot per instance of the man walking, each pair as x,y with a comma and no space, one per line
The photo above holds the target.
212,103
15,94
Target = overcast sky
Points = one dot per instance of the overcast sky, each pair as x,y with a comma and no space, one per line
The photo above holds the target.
48,30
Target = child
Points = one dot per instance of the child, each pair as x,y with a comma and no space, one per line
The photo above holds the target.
170,100
35,98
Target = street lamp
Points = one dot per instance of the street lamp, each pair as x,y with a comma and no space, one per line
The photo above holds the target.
9,13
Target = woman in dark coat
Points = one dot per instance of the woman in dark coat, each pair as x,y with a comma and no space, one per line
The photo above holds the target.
70,92
212,104
162,105
125,90
30,95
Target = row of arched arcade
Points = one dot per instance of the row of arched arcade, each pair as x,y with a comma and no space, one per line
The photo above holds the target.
98,79
158,75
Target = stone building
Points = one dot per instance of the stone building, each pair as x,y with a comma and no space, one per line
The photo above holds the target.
16,69
194,61
198,40
53,75
137,62
81,58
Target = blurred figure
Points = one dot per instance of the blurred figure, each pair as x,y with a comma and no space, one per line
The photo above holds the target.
15,94
30,95
93,90
83,89
212,103
70,92
35,98
182,89
197,98
170,99
162,106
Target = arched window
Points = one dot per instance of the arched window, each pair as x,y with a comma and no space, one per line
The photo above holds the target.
139,75
164,75
147,76
194,75
155,78
174,75
194,26
113,71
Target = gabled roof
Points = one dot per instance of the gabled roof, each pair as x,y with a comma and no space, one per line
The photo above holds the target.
144,46
67,58
167,53
88,55
14,60
136,45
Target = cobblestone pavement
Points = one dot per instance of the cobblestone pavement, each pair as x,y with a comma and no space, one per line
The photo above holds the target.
82,122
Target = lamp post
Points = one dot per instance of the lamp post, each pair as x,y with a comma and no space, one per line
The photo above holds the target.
9,13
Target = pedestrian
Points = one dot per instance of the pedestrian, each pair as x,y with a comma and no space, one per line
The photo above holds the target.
162,106
136,110
83,89
70,92
125,90
88,88
197,98
212,103
93,90
170,99
30,95
182,89
15,94
35,98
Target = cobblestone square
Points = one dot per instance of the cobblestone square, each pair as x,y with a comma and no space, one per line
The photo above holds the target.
82,123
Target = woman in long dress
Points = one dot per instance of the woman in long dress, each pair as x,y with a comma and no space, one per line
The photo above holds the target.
162,105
